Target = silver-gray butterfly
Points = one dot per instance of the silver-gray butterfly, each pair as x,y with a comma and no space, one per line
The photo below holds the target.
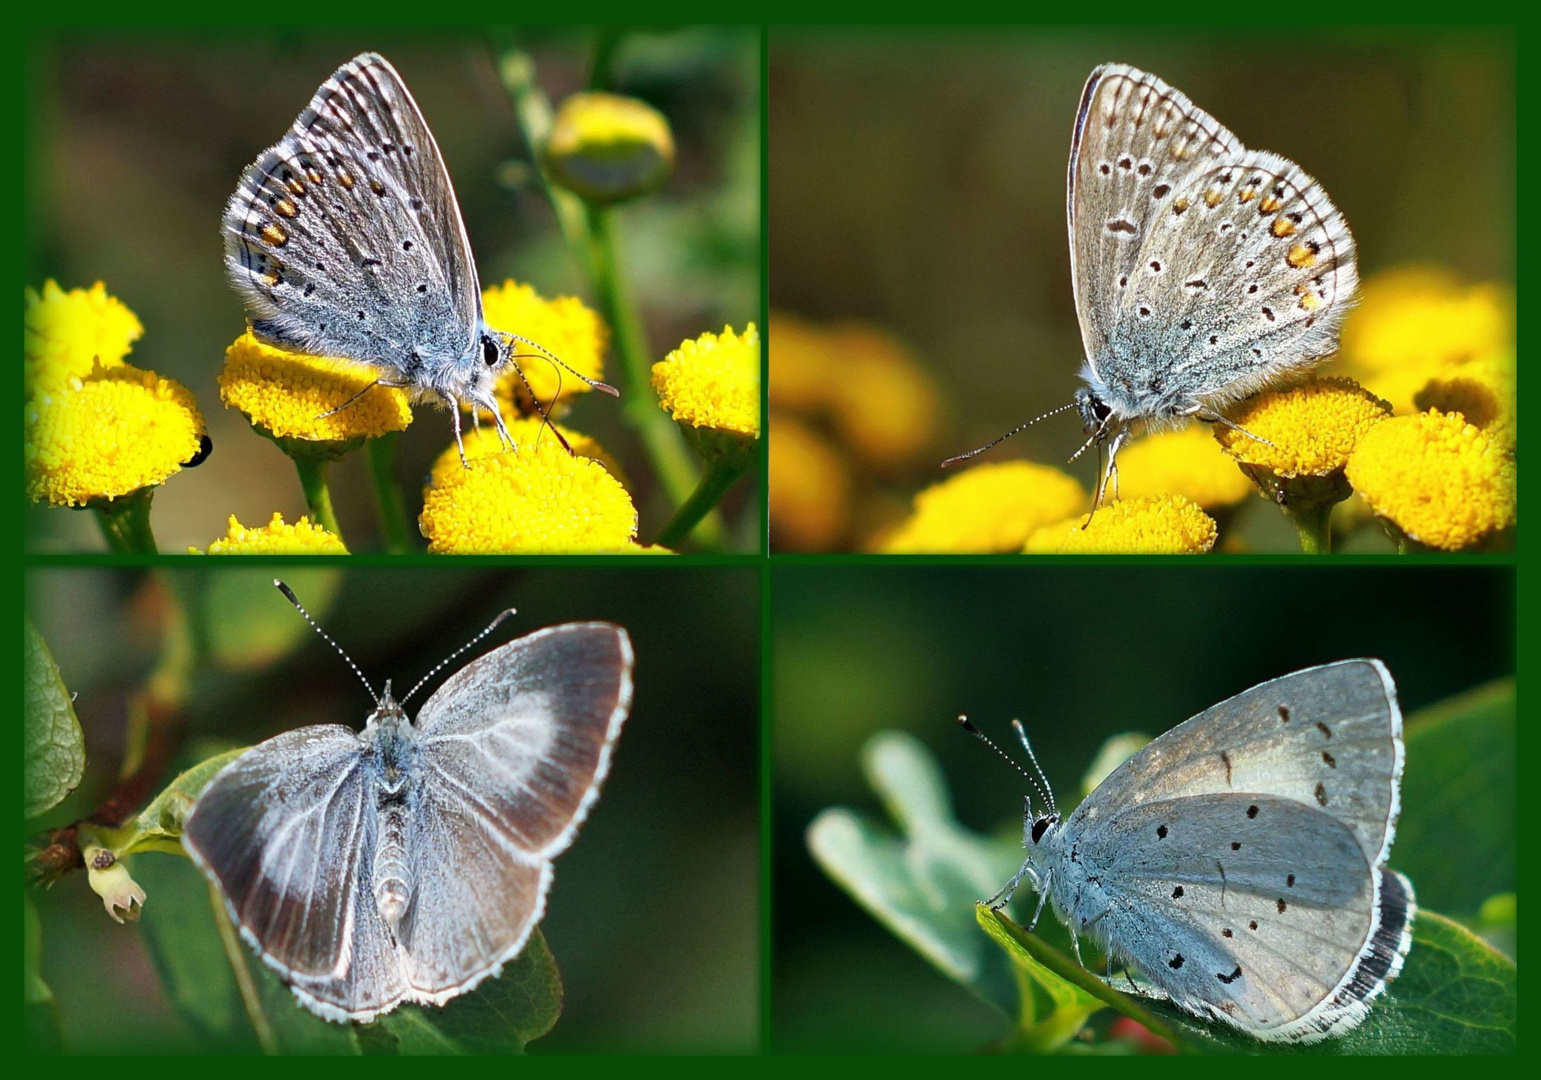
1236,863
344,239
410,861
1203,271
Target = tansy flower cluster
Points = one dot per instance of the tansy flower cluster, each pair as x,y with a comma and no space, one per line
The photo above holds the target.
99,432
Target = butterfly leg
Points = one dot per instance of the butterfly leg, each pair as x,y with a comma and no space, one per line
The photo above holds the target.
1002,898
351,400
454,415
1216,418
1110,472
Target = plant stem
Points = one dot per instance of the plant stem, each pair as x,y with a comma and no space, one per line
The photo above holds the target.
388,501
672,459
235,953
1313,525
318,497
125,523
719,477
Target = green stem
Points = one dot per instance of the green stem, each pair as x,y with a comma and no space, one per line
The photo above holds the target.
1312,522
125,523
719,477
388,501
318,497
235,953
665,445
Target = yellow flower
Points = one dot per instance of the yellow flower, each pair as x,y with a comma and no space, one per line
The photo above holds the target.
66,333
538,500
563,327
289,396
1482,391
112,433
810,488
988,508
1415,320
802,374
1442,482
276,538
1310,429
606,147
884,403
1186,462
1155,525
713,382
528,431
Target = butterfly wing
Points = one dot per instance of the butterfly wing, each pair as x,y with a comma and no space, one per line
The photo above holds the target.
1256,910
514,748
1327,737
345,239
1201,270
286,832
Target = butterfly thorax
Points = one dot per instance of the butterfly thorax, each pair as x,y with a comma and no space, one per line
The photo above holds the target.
1109,406
390,736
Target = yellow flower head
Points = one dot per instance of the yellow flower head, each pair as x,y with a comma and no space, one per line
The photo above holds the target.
884,403
607,147
1155,525
276,538
563,327
988,508
538,500
1413,321
1310,429
713,382
1443,482
1185,462
810,488
289,395
528,432
66,333
112,433
1482,391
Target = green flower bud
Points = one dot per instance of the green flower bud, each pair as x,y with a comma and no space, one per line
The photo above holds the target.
606,148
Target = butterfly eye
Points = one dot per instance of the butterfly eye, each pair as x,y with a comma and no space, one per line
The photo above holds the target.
1041,826
490,352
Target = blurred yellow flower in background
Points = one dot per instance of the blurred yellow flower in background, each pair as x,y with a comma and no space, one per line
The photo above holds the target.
1418,322
713,382
1442,482
810,488
1186,462
1305,430
564,327
538,500
115,431
65,334
291,396
1153,525
275,538
1482,391
988,508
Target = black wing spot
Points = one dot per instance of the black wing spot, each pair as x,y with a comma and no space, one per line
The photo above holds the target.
422,288
1324,729
1284,713
1161,832
1283,907
1321,794
1232,977
1252,925
1268,314
1160,191
1252,811
1332,762
1235,845
1290,881
1227,932
1176,962
1177,893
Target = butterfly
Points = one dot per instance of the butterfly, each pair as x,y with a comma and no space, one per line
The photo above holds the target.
344,239
1203,271
409,861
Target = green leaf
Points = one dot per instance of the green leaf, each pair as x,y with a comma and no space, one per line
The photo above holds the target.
54,749
1456,839
158,827
249,625
922,883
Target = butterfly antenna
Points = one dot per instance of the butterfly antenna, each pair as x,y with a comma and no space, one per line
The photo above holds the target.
440,665
1047,788
545,416
968,725
289,595
603,387
950,462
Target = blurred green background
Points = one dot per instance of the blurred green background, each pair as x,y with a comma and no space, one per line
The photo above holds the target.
1078,653
135,140
653,917
917,182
